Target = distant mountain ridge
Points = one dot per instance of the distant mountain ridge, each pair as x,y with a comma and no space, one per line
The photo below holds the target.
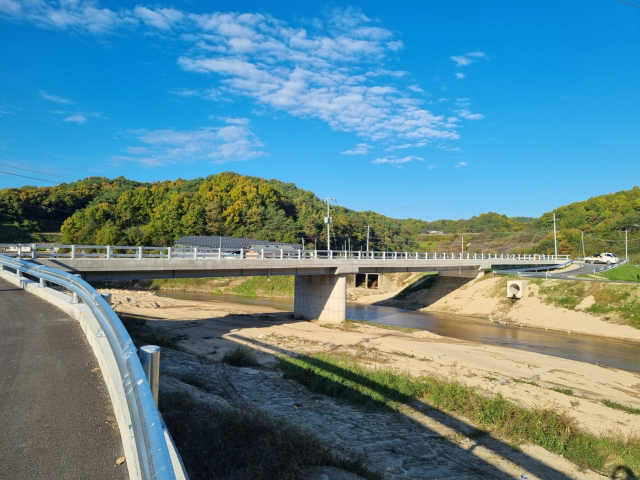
126,212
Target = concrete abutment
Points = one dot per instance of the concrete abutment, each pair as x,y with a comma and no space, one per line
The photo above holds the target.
322,297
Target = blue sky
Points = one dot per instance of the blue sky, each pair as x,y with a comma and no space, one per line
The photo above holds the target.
412,109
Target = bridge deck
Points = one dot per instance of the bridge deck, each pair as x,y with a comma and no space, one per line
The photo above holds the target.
56,420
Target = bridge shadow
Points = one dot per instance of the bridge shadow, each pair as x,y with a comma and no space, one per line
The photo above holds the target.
459,448
421,298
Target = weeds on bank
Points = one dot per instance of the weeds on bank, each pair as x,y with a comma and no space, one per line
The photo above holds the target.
528,382
619,406
621,300
230,444
140,332
240,357
343,378
276,286
565,391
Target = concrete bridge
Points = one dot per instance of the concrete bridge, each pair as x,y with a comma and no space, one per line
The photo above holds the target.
320,275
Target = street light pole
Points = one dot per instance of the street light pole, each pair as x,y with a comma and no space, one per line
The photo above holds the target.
368,229
327,220
555,235
584,255
462,243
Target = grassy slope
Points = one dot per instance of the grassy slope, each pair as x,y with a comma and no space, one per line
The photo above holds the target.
280,286
343,377
627,273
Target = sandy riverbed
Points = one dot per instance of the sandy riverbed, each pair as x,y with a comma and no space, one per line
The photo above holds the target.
214,327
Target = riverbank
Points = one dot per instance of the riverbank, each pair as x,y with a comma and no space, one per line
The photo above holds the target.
593,308
489,368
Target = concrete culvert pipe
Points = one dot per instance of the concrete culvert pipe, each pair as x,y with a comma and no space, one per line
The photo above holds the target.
515,288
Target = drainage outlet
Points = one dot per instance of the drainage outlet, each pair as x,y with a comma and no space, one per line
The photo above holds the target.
515,288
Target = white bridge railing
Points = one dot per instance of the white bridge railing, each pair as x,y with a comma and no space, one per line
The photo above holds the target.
108,252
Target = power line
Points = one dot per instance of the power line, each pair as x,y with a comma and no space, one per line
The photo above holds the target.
35,171
627,3
25,176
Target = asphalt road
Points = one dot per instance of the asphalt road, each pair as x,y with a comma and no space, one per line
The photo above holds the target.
56,420
584,269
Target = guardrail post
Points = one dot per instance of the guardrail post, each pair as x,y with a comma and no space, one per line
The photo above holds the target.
298,254
109,252
42,283
150,360
281,254
74,298
242,253
33,250
330,254
139,253
195,253
262,254
73,252
169,253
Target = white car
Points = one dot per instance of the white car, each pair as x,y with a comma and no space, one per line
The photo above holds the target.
607,258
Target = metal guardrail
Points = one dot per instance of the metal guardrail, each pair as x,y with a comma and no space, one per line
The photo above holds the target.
146,428
518,271
609,267
108,252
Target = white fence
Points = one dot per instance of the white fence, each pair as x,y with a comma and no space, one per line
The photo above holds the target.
109,252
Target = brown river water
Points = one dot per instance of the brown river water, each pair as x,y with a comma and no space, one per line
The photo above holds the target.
592,349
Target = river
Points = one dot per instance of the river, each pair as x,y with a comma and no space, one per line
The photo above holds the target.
593,349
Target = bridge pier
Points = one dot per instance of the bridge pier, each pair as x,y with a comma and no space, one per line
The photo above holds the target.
321,296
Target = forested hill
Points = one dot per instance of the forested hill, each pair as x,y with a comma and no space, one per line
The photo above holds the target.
98,210
123,212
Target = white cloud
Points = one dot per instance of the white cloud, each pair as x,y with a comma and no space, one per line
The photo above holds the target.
329,74
161,18
79,15
467,58
232,142
467,115
332,70
397,161
406,145
77,118
461,164
361,149
53,98
460,76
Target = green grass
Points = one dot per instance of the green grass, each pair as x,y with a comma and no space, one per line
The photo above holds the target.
383,388
528,382
424,282
233,444
278,286
627,273
240,357
618,299
619,406
566,391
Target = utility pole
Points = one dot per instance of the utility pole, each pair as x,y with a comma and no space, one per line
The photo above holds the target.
555,235
327,220
584,255
368,230
462,243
